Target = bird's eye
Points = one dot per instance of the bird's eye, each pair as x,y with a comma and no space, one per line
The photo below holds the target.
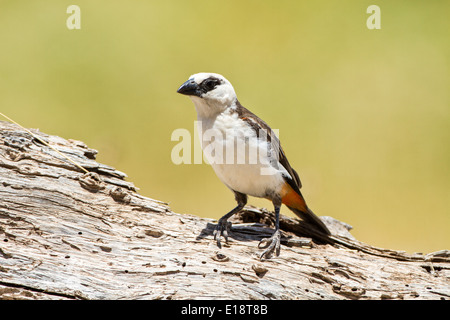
210,84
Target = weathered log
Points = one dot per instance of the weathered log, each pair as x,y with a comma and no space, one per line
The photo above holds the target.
66,234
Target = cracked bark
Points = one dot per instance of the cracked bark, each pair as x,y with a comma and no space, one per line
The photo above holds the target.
65,234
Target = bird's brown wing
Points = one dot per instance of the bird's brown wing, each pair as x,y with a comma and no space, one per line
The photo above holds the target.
294,182
257,123
293,179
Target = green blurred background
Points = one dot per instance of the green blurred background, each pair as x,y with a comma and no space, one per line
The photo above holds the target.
364,115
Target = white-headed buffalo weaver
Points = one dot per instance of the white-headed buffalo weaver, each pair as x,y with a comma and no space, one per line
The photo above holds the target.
245,154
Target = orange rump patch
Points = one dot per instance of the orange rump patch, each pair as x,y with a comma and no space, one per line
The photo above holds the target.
292,199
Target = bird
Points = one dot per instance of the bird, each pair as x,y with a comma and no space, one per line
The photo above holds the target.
227,127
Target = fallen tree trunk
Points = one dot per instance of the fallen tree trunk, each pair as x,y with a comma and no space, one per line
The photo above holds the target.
66,234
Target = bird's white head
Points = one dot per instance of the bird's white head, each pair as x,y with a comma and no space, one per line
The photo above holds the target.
210,92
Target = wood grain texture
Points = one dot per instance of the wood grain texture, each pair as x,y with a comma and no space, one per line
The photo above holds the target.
65,234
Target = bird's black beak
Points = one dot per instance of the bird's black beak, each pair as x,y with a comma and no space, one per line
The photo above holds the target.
190,88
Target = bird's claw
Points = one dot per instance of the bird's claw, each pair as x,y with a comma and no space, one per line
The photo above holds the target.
222,228
272,244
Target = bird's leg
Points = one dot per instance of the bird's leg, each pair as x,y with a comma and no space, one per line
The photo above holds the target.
273,243
223,225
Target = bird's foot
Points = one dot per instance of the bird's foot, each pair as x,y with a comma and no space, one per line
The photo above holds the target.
272,244
222,228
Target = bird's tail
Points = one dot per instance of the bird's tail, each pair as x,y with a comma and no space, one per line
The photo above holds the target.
296,203
309,216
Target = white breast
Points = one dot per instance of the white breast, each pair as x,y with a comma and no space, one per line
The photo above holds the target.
238,157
